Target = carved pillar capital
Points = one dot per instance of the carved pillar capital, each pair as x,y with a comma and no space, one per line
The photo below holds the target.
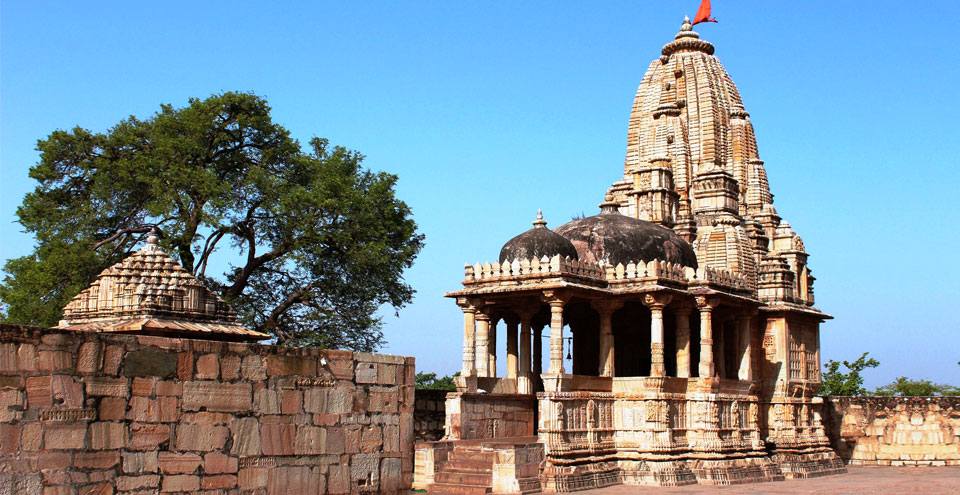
657,300
606,306
707,304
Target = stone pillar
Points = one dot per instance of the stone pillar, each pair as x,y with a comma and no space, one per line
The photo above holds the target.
469,333
606,309
537,365
682,314
556,332
492,347
744,321
524,385
656,303
706,306
719,359
513,366
483,344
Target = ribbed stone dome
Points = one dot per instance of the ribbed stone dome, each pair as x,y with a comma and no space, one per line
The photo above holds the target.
537,243
614,238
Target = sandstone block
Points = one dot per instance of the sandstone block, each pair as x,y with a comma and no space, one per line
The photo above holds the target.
326,419
230,367
52,360
99,489
140,462
390,475
169,388
105,386
96,460
253,368
387,374
180,483
9,438
365,471
217,463
65,436
246,437
148,436
65,391
172,463
112,408
169,409
298,479
201,437
338,479
371,439
291,402
27,357
292,365
265,402
31,438
143,386
224,481
277,439
335,441
54,460
366,373
88,359
11,405
38,392
208,367
315,400
212,396
185,366
309,440
57,490
208,418
111,359
144,409
9,362
130,483
252,478
107,435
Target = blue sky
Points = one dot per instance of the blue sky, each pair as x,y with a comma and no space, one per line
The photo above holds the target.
488,111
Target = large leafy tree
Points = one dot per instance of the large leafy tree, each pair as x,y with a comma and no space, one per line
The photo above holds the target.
312,244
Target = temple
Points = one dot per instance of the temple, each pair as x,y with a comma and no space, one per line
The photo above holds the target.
683,337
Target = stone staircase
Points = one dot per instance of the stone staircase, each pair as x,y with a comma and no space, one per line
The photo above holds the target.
467,470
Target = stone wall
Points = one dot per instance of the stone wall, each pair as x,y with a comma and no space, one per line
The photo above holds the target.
100,414
895,430
487,416
428,415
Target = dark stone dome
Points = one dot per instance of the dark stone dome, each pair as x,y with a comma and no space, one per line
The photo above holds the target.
537,242
615,238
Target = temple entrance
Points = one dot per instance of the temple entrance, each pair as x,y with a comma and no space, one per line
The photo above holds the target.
631,338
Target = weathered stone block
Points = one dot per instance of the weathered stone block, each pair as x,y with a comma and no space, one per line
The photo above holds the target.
169,388
130,483
309,441
65,436
148,436
105,386
108,436
201,437
230,367
11,405
173,463
391,477
98,489
365,471
299,479
143,386
338,479
96,460
246,437
111,359
253,478
253,368
212,396
144,409
140,462
225,481
208,367
217,463
9,438
38,392
31,438
185,366
291,365
88,359
291,402
277,439
366,373
265,401
180,483
112,408
150,363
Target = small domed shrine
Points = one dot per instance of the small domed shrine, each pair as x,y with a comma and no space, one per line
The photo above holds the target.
150,293
683,344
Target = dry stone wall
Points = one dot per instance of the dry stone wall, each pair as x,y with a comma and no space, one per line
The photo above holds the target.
87,413
897,431
429,415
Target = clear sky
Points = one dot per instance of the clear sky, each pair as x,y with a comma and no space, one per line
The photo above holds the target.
488,111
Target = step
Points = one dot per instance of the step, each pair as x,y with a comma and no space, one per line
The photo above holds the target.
466,466
449,488
471,455
455,478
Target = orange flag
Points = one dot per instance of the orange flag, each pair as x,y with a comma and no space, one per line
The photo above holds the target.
703,13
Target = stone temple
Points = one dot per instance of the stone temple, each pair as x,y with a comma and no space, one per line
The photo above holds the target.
683,339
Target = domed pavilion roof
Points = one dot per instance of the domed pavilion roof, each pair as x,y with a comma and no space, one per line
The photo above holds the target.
537,243
615,238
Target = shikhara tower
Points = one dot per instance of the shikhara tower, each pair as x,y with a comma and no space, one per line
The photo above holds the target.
693,351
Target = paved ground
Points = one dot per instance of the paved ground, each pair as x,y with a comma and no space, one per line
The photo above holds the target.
858,479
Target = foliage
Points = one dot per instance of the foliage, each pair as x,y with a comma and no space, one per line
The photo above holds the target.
836,382
906,387
316,243
429,381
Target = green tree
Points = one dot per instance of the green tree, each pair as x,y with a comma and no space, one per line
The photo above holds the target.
429,381
313,243
836,382
906,387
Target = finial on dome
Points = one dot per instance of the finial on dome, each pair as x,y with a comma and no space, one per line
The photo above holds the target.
539,223
609,205
153,237
686,26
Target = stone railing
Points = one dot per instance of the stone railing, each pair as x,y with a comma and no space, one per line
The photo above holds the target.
653,269
531,267
721,278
